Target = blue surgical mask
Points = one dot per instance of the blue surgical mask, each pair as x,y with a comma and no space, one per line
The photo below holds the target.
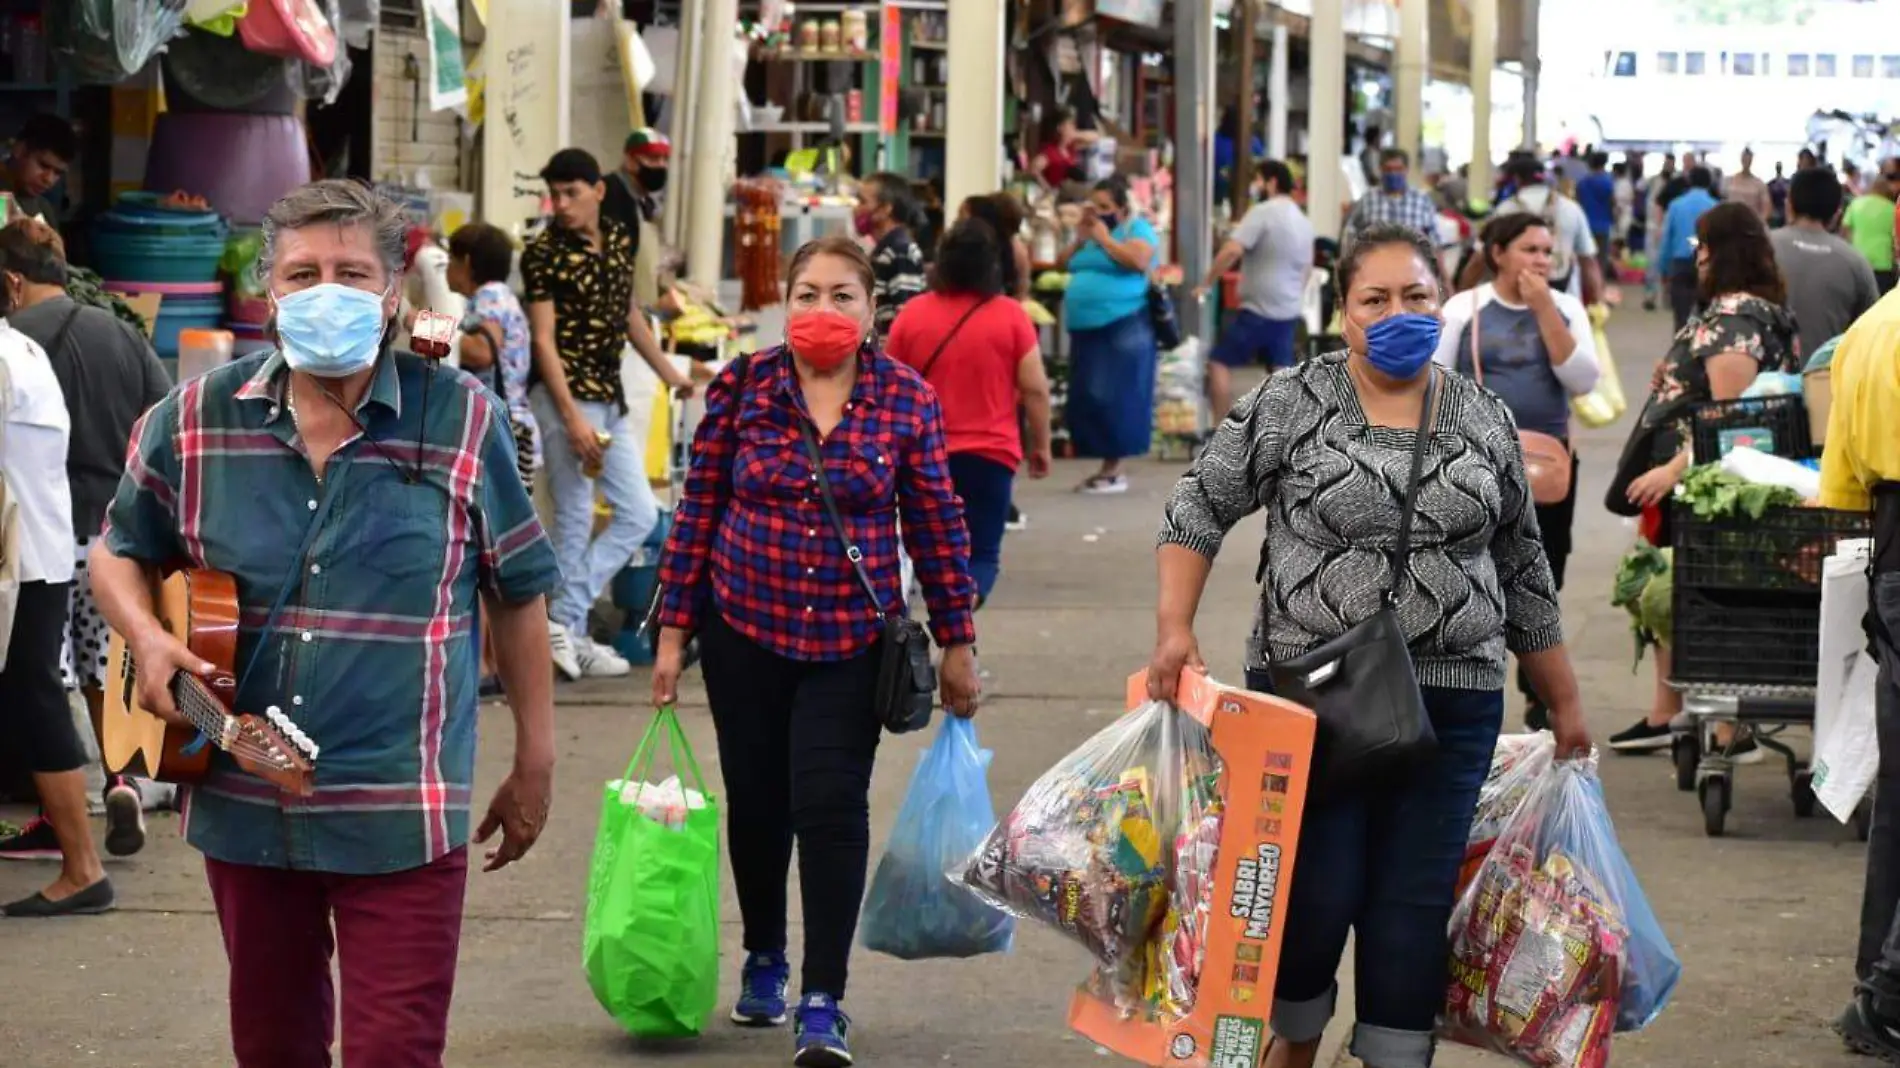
1392,181
331,330
1400,346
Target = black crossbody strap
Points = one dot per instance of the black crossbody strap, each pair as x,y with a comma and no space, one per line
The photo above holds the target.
1404,552
851,550
951,336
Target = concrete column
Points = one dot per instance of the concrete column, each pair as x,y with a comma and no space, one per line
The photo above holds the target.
1193,150
1410,60
1484,58
1326,110
681,119
1276,94
1244,24
1533,69
975,166
713,133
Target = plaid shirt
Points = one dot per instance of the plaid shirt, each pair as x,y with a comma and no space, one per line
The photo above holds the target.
751,522
1411,208
374,654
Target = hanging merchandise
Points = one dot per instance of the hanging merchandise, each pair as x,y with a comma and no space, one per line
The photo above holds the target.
104,41
322,83
215,16
448,79
292,29
757,234
220,72
360,19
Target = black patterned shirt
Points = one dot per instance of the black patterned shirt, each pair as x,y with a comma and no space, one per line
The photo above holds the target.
1300,447
592,292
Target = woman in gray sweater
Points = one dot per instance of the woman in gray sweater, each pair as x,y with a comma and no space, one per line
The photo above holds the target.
1325,449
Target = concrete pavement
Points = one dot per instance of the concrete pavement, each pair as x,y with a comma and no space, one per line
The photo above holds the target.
1764,919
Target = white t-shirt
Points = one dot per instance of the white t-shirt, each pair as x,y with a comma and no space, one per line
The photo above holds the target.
1279,243
1571,243
33,457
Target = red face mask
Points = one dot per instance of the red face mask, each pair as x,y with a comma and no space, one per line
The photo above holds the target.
824,339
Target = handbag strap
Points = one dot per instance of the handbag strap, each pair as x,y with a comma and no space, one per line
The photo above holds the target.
1477,349
947,338
1404,551
851,551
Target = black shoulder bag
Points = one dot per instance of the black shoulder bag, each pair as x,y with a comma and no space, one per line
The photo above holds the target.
906,680
924,371
1361,685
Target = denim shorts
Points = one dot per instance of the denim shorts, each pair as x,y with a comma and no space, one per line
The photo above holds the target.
1383,867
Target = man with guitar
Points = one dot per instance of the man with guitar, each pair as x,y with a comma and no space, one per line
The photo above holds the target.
366,504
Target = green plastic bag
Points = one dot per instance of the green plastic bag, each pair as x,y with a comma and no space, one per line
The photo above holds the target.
650,945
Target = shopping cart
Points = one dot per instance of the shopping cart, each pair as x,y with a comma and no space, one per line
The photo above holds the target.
1747,608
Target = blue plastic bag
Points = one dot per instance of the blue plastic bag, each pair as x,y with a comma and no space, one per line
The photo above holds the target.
1553,926
915,909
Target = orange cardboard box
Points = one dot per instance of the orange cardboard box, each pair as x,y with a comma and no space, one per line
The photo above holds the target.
1266,749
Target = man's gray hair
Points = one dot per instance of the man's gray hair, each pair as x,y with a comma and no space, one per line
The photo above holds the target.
339,202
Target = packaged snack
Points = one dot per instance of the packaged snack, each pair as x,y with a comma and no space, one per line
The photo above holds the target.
1083,850
1517,763
1553,945
1166,844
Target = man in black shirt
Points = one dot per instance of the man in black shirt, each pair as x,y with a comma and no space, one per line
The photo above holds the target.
41,152
633,201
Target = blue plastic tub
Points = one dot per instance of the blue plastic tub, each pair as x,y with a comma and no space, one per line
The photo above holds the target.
176,314
129,255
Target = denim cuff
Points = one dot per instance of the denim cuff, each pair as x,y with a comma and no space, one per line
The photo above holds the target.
1304,1021
1383,1047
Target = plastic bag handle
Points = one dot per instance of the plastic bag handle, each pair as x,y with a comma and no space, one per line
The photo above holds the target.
677,746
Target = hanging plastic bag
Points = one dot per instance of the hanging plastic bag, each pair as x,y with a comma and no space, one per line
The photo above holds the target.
1085,849
1553,946
1519,762
915,911
1604,404
650,944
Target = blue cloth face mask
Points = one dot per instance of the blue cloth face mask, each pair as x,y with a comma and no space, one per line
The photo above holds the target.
1400,346
331,330
1393,181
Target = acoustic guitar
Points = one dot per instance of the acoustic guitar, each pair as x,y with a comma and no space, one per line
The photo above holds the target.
199,608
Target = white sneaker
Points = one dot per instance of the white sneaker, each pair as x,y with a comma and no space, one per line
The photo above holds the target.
566,657
1103,486
600,661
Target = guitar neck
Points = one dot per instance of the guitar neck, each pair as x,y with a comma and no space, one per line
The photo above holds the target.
200,707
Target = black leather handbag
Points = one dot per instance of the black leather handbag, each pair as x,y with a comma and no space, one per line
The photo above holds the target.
1361,685
906,679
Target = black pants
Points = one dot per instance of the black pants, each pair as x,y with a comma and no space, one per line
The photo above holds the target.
1683,284
1554,522
1878,957
796,744
1884,281
34,716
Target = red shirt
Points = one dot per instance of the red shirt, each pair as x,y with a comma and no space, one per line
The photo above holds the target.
1059,164
975,376
751,526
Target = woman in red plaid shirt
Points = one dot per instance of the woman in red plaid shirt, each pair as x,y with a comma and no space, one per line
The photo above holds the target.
787,633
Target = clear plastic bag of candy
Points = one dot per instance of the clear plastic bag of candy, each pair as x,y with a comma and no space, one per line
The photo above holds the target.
1086,849
1554,946
1517,764
914,910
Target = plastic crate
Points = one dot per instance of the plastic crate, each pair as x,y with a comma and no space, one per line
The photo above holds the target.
1781,551
1746,638
1774,425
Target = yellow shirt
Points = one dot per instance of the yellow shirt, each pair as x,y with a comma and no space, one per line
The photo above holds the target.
1863,429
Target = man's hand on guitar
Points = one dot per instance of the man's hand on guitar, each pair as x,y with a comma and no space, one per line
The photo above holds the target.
519,811
158,657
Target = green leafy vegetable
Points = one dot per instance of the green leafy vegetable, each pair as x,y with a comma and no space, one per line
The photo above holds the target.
1644,581
85,287
1715,494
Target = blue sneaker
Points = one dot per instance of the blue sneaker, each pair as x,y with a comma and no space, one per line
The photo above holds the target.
762,991
821,1028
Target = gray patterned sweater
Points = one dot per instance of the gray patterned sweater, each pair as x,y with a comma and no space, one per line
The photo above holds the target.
1333,487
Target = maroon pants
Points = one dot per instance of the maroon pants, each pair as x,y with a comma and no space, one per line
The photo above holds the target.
395,939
